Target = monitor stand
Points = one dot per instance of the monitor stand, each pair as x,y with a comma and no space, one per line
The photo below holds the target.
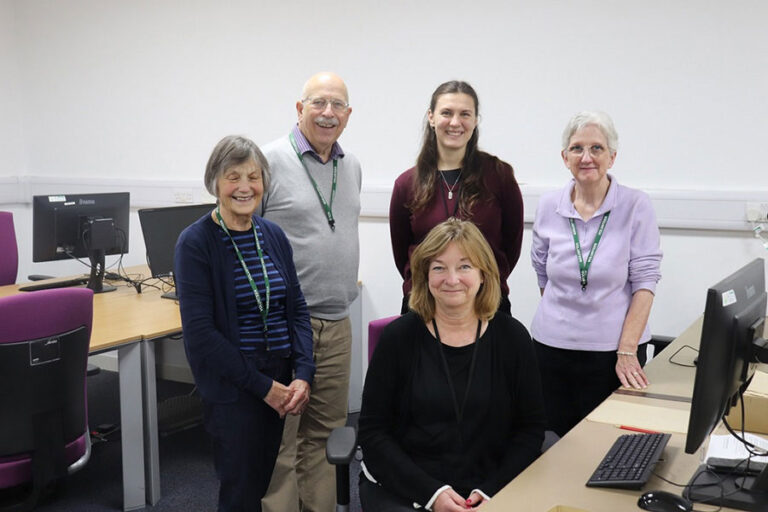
170,295
96,280
739,491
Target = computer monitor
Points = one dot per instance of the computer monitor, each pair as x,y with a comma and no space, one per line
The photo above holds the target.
79,226
732,344
161,228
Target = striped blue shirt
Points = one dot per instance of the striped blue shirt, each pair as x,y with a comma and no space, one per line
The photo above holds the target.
251,325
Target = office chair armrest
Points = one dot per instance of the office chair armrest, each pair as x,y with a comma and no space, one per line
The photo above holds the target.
659,343
38,277
340,446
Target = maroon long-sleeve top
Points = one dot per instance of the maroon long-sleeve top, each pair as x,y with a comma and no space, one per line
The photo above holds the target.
498,214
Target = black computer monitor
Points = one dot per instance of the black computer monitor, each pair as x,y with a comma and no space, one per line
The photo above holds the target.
732,344
79,226
161,228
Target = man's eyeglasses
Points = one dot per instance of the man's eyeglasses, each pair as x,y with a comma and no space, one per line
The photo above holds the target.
595,150
322,103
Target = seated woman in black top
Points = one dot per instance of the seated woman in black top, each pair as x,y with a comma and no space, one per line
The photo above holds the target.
452,405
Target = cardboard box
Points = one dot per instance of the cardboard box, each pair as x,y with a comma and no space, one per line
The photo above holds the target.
755,406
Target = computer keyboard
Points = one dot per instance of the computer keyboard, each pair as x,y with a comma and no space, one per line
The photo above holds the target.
48,285
629,462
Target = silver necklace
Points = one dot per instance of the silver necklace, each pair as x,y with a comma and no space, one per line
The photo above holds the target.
451,187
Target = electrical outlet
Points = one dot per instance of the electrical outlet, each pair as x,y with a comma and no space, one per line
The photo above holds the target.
182,196
757,212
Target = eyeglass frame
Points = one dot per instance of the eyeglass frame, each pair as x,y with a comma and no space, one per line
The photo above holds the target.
595,150
333,101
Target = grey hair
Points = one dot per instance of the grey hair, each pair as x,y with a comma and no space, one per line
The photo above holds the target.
587,118
233,150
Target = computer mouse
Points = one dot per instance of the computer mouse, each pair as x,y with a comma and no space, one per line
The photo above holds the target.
662,501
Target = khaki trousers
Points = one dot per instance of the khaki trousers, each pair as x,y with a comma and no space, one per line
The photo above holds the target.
302,479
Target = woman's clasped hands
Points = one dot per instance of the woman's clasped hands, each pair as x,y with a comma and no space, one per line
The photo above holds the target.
291,399
450,501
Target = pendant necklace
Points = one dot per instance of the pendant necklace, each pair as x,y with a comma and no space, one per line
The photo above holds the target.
450,187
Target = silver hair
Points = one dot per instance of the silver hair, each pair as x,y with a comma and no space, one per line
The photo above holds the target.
587,118
233,150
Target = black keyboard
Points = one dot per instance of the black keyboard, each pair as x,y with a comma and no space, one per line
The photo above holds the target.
49,285
629,462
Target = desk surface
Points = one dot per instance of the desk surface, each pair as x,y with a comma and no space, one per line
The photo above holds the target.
558,477
124,316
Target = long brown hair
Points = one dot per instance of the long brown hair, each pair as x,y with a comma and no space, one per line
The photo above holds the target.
424,186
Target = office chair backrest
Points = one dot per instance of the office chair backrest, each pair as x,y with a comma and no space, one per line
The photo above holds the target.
374,332
43,357
9,253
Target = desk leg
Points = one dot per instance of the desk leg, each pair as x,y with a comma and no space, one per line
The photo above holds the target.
151,442
131,424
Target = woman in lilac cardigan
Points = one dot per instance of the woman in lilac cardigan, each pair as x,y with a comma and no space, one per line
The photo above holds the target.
596,252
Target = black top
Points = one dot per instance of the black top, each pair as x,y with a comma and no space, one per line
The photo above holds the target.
412,443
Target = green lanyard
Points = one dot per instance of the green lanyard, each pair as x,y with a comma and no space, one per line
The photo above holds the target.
584,267
263,306
327,208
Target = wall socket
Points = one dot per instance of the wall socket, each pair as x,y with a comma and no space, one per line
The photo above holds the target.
182,196
757,212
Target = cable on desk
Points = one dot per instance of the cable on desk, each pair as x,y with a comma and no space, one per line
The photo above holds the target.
677,352
691,485
753,450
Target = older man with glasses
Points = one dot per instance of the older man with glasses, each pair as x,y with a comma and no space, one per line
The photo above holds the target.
314,196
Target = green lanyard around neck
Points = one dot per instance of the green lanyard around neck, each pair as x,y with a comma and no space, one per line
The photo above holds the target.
327,208
263,306
584,267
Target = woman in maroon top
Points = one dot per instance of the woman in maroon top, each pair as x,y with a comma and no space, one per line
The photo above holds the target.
453,178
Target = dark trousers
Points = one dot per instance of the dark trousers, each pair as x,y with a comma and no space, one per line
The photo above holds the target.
246,437
374,498
575,382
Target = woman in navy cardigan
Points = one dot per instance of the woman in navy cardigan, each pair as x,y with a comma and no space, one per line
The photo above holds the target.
246,325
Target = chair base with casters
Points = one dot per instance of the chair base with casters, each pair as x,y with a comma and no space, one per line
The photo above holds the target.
44,430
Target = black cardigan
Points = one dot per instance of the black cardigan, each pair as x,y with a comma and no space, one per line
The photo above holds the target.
413,454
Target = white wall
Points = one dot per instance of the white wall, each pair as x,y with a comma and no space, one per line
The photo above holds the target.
11,131
145,88
103,91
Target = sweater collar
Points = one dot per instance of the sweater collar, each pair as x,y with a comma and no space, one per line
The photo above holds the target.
306,148
565,206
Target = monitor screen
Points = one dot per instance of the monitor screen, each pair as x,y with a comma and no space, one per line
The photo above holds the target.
161,228
70,225
731,336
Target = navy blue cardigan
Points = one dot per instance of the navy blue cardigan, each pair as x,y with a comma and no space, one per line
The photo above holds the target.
205,284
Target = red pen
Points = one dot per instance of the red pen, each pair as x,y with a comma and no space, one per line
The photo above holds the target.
637,429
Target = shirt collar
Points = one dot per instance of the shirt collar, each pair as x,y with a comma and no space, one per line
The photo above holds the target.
565,206
305,147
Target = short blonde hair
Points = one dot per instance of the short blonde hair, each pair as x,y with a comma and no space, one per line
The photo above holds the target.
475,247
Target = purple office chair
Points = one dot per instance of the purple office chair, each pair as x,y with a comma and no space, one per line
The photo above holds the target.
341,444
9,254
43,355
